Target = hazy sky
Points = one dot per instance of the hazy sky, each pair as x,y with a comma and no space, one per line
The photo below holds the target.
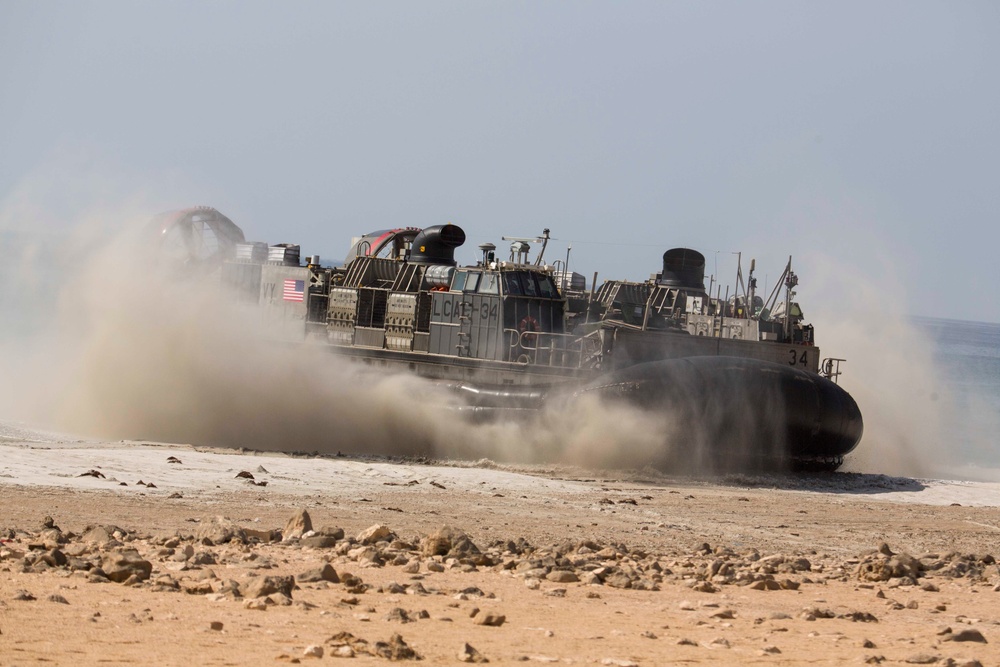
865,132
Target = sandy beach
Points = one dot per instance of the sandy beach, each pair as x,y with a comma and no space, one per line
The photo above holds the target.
141,553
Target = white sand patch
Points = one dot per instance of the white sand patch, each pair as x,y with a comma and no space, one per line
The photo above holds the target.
42,460
33,457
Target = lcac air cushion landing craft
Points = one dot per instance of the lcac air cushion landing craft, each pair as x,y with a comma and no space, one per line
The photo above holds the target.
742,377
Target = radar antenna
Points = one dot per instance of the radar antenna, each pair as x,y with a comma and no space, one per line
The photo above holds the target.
521,247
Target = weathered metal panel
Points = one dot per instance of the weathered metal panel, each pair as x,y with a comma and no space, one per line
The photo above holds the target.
485,325
366,337
444,324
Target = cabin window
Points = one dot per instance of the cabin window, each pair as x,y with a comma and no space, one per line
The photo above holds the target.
472,282
458,284
548,287
528,284
490,284
511,285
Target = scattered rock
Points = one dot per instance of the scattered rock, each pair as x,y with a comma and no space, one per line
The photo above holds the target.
396,649
262,586
121,567
313,651
859,617
377,533
97,535
296,526
765,585
325,573
318,541
896,566
968,635
470,654
449,542
219,530
490,619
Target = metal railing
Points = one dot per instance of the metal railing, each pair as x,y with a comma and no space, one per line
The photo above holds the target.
559,350
830,368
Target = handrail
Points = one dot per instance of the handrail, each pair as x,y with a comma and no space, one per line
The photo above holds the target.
546,348
830,368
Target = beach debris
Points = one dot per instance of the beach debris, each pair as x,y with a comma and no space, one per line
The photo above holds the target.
313,651
92,473
22,595
173,459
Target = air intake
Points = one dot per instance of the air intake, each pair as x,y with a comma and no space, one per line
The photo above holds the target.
436,245
683,267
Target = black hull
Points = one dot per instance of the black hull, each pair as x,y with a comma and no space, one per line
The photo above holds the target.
733,413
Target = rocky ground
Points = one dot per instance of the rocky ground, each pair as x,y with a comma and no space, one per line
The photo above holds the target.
156,554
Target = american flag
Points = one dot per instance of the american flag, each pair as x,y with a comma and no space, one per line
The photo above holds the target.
295,290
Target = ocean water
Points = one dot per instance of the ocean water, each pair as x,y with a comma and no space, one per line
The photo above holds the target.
967,355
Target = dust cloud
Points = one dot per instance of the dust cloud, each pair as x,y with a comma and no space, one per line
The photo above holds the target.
890,369
102,339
